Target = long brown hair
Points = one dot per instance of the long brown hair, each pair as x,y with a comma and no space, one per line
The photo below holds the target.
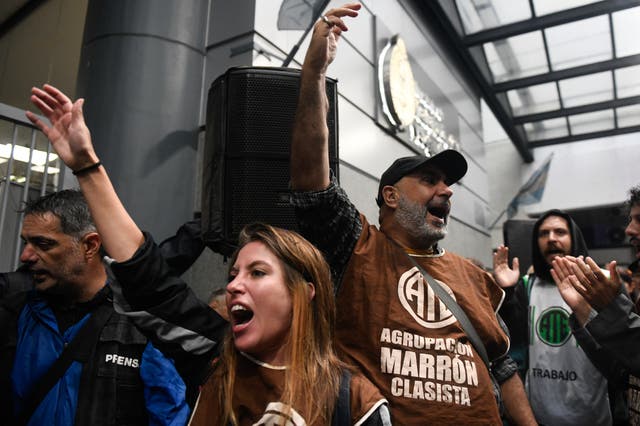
313,376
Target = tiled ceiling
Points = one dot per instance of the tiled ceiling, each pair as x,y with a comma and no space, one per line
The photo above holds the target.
552,71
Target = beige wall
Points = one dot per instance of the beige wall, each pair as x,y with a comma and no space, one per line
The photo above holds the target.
43,48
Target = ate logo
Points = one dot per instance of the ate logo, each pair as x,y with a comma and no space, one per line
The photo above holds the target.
552,326
421,302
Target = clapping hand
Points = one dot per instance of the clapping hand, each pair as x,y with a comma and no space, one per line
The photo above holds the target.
583,285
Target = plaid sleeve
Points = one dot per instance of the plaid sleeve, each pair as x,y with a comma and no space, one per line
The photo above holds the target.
503,368
331,222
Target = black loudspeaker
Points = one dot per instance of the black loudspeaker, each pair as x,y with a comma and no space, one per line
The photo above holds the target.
250,114
517,236
602,227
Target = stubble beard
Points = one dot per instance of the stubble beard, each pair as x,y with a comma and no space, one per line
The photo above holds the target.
412,217
67,275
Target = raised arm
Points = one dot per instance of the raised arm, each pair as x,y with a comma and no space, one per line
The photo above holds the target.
309,146
71,139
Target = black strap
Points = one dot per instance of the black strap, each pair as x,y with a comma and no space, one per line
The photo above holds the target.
457,311
342,412
79,349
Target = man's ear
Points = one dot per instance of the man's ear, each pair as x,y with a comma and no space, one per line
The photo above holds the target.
390,196
91,243
312,291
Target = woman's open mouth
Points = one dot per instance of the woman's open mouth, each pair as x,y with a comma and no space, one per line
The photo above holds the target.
240,316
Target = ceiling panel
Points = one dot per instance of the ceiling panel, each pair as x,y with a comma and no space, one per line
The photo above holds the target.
545,7
478,15
516,57
534,99
579,43
569,70
546,129
591,122
628,116
628,81
587,89
626,30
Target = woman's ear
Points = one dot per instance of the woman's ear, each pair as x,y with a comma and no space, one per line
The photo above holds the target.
312,291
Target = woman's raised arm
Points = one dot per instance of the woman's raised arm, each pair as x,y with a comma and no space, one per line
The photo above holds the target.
71,139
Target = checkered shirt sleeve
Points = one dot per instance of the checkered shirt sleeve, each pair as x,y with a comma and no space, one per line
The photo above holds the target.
331,222
503,368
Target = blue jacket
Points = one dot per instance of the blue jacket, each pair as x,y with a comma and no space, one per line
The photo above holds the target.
125,376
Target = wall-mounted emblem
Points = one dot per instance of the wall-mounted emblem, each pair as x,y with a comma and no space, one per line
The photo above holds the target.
405,106
397,86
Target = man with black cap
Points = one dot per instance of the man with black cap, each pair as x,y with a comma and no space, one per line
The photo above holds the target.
389,323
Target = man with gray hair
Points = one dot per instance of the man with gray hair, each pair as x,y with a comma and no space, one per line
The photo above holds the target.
66,357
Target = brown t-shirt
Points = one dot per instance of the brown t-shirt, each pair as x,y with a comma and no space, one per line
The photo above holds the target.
395,330
256,398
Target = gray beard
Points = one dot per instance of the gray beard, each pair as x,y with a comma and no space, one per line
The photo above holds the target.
412,217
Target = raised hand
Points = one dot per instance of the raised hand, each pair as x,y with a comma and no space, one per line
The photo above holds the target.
505,277
326,33
68,132
71,139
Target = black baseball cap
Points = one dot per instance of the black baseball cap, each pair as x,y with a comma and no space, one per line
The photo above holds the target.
449,161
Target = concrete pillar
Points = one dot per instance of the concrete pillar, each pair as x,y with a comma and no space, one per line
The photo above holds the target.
141,73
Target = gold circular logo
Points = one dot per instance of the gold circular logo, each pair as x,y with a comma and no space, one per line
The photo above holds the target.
397,85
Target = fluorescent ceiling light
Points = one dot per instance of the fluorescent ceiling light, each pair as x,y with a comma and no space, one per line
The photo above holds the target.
50,170
21,153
